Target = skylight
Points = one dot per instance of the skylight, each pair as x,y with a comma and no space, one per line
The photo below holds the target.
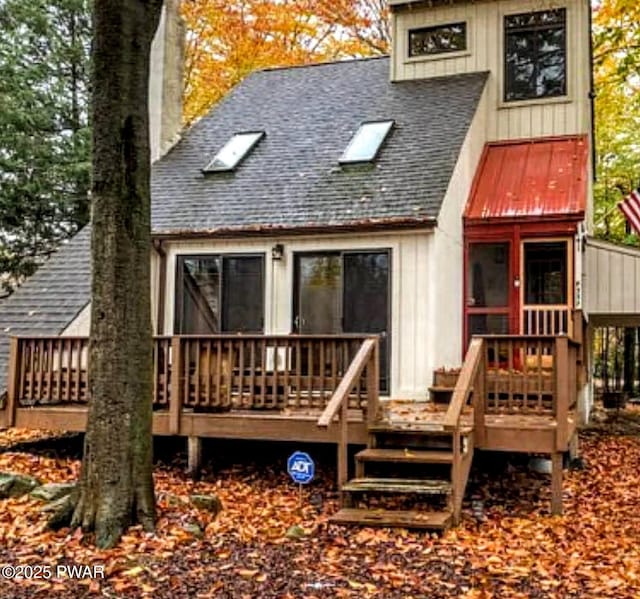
365,144
234,151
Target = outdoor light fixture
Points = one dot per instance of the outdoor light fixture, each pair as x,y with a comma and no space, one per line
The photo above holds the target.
277,251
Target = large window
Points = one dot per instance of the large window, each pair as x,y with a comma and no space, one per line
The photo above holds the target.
218,294
440,39
535,55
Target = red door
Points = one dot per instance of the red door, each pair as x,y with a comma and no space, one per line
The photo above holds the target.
491,287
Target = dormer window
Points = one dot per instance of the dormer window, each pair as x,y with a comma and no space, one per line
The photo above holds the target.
234,151
365,144
440,39
535,55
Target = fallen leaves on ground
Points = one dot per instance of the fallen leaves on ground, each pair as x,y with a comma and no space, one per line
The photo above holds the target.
511,548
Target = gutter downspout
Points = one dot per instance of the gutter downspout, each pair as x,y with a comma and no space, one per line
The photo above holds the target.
162,284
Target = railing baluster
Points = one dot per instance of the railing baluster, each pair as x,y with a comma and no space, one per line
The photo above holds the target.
298,370
273,402
322,366
252,373
230,372
287,369
511,374
239,402
263,377
310,373
219,388
69,354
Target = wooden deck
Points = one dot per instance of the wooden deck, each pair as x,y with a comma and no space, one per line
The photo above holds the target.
513,393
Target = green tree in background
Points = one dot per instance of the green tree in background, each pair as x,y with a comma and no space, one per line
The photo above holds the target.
44,134
616,34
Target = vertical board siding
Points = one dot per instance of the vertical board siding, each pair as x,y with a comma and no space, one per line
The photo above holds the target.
566,116
612,279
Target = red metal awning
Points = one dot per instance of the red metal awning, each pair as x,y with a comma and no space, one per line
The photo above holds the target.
534,179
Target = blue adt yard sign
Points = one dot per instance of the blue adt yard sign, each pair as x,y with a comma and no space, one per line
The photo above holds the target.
301,468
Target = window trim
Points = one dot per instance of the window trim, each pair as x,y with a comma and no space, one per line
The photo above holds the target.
178,286
568,56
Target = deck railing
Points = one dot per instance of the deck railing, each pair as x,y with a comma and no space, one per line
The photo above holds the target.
547,320
528,376
365,361
200,373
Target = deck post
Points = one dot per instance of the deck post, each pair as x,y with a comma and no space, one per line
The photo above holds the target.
373,384
194,456
343,444
564,387
175,398
455,477
556,483
479,398
12,382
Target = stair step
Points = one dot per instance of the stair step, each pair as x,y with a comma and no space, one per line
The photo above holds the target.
393,518
405,456
410,427
398,485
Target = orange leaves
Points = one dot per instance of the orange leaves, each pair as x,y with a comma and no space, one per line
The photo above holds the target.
228,40
517,551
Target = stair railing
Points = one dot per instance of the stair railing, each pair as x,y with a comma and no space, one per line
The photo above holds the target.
367,357
471,380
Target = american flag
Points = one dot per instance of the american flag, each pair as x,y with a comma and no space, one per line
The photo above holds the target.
630,207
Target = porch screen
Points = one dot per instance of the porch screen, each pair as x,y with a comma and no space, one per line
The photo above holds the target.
545,266
217,294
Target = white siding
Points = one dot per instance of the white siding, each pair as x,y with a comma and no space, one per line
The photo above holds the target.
612,284
80,325
514,120
446,258
411,359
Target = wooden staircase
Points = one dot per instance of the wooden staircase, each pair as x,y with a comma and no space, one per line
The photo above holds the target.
415,469
411,475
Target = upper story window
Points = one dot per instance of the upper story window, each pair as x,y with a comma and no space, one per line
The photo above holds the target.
535,55
440,39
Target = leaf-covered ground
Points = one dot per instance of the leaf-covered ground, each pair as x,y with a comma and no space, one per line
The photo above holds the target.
512,549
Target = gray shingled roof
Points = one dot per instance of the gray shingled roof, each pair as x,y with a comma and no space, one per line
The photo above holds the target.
50,299
292,177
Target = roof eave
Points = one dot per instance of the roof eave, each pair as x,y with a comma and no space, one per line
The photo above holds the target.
356,226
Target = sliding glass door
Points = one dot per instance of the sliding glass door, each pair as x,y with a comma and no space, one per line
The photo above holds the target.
218,294
345,292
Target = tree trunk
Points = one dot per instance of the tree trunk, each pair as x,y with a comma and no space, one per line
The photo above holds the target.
116,484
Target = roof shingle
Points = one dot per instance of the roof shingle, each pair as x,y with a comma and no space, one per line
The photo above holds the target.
291,179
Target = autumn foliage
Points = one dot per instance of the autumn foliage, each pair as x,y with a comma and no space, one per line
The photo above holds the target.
226,41
513,549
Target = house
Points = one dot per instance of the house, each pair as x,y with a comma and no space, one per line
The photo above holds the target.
412,227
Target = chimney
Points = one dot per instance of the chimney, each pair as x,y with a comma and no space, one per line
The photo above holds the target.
165,81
